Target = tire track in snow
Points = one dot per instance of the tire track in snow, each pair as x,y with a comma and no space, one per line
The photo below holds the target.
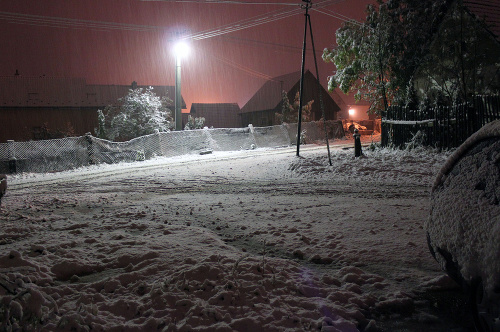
90,174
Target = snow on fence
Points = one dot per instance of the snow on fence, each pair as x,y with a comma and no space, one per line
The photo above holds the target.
443,127
72,152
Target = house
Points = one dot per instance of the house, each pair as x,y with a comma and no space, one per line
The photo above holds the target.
217,115
486,11
463,54
261,109
33,108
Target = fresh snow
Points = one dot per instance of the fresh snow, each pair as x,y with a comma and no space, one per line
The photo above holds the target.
228,241
465,212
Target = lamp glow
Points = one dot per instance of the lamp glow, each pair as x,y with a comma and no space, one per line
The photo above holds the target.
352,112
181,49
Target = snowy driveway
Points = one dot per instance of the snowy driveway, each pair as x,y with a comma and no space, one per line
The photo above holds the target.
228,241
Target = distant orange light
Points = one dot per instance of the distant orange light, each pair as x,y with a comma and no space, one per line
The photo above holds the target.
351,111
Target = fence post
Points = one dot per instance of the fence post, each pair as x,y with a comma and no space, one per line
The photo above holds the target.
90,150
158,136
12,157
252,134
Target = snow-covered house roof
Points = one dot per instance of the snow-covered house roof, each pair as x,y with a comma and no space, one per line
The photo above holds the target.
487,11
21,91
269,96
59,105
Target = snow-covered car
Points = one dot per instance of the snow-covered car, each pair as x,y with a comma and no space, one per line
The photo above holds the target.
3,186
463,229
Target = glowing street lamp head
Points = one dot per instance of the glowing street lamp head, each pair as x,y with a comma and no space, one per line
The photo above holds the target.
352,112
181,49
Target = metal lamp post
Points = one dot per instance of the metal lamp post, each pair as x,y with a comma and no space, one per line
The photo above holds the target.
181,50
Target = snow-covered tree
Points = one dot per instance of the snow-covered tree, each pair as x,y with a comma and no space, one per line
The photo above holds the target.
194,123
141,112
290,113
377,58
361,64
101,131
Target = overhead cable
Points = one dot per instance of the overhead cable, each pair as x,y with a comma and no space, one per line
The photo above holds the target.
254,21
227,2
337,16
260,43
59,22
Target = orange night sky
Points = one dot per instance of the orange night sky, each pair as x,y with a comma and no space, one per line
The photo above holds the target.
120,41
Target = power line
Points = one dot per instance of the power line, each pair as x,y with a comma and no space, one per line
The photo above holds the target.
244,24
338,16
259,43
238,66
226,2
245,69
254,21
59,22
246,41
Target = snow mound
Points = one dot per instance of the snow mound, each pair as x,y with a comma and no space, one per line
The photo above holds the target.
172,278
465,212
374,166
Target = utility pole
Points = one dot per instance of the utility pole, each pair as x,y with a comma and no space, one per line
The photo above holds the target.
306,6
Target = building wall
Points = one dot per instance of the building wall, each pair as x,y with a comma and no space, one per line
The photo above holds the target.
25,123
34,108
220,120
218,115
259,119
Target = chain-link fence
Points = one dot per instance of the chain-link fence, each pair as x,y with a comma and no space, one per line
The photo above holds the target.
73,152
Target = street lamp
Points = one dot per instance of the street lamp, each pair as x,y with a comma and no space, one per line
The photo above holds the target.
181,49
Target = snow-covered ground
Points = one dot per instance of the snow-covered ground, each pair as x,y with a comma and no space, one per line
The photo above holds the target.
234,241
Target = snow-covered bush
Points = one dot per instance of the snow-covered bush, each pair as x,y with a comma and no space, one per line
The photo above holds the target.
303,137
374,146
194,123
417,141
139,113
101,131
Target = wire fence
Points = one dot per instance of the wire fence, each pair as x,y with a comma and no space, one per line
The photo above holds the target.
68,153
441,127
